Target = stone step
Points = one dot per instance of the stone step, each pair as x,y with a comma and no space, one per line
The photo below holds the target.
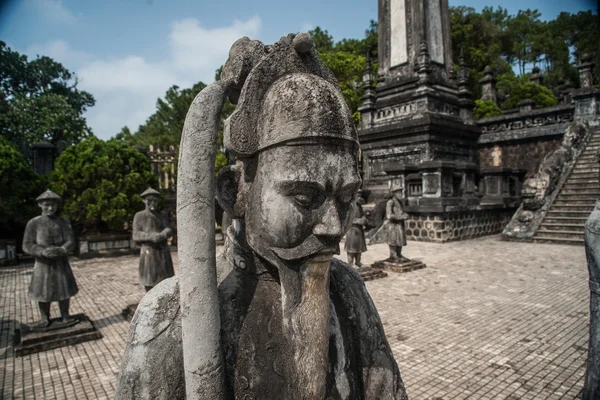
570,197
543,239
578,180
564,220
583,175
585,170
581,185
574,228
585,191
570,208
553,213
559,234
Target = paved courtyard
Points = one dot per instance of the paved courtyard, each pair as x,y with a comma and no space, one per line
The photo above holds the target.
486,319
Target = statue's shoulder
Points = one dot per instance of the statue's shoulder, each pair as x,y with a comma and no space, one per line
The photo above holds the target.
158,309
593,222
152,365
342,273
139,213
34,221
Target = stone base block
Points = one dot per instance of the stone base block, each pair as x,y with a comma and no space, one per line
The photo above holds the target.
129,311
34,339
405,265
370,274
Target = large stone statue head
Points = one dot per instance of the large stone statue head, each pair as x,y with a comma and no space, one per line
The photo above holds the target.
290,191
297,151
150,197
49,202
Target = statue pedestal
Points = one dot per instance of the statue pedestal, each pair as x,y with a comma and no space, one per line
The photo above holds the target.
370,274
404,265
35,338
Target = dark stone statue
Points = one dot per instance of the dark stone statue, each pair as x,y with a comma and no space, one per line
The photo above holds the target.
355,238
151,230
276,316
49,238
591,388
396,232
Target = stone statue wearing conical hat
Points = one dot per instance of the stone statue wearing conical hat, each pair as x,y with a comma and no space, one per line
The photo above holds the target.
49,238
151,231
275,316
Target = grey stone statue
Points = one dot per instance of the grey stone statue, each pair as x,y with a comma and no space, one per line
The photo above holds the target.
275,316
49,238
151,230
394,213
591,388
355,238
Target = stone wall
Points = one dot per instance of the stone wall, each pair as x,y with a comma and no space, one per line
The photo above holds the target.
462,225
525,155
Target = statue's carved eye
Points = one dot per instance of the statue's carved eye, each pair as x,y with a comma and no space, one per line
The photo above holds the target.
303,200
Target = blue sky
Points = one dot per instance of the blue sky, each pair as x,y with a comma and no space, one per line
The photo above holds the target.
127,53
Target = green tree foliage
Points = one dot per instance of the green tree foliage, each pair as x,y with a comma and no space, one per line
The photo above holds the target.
164,127
39,100
519,89
347,59
19,186
100,183
486,109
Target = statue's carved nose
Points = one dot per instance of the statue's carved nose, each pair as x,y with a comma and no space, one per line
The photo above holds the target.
329,220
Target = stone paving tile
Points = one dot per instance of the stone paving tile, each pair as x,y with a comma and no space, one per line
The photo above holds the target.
486,319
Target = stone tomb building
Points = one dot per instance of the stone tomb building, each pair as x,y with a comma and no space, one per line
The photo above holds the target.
460,179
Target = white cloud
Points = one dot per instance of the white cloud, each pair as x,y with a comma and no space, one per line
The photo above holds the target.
126,89
60,51
200,50
54,10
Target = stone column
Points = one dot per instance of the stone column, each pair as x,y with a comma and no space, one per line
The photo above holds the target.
536,77
585,68
526,105
464,95
367,105
43,157
488,85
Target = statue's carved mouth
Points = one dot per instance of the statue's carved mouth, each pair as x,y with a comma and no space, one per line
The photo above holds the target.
312,246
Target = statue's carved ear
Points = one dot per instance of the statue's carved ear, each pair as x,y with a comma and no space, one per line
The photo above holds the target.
228,181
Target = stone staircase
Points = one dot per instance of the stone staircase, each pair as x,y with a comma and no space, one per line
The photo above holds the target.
565,220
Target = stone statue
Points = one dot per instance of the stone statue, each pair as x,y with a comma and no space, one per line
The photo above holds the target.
355,238
49,238
151,230
591,388
394,213
275,316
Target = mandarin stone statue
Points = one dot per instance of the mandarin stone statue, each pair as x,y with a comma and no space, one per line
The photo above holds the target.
355,238
151,230
49,238
276,316
394,213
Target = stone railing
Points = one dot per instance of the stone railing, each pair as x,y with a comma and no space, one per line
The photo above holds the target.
163,164
526,123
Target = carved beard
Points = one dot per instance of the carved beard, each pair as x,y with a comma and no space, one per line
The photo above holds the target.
306,322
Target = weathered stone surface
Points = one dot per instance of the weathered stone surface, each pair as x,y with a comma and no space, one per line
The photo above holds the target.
591,388
279,317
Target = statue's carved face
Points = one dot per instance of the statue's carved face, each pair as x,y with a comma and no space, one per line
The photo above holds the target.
151,202
49,207
299,205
